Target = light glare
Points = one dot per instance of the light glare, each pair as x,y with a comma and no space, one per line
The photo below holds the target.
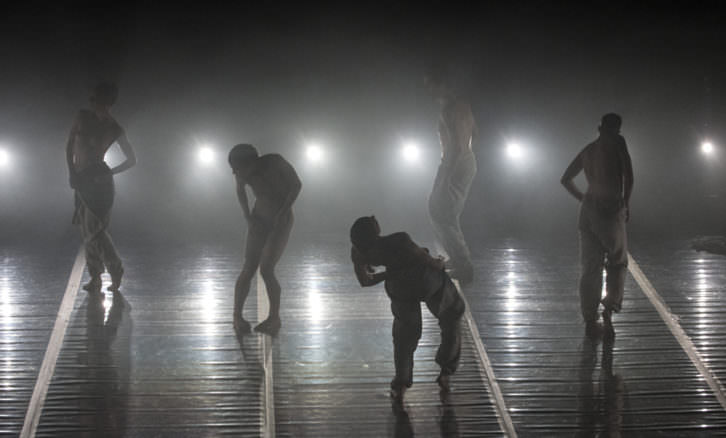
514,150
4,158
314,153
707,147
206,155
411,153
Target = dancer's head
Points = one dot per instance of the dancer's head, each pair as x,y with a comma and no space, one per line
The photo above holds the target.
240,158
610,124
437,81
364,232
104,94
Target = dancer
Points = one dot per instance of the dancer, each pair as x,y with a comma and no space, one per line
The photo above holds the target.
411,276
455,175
275,185
604,210
94,131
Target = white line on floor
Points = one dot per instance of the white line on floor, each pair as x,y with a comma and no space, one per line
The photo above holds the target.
263,308
672,322
505,421
47,368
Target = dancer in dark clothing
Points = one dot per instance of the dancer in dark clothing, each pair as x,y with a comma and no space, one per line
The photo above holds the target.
604,210
94,131
275,185
411,276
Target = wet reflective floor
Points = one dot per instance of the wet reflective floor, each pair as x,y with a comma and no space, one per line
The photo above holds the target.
162,359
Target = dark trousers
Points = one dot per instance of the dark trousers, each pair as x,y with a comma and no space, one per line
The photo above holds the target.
448,307
603,244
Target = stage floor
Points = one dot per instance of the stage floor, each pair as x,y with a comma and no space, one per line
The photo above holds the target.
162,358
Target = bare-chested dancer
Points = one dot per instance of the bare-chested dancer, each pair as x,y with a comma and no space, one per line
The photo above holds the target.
604,210
275,185
455,175
94,131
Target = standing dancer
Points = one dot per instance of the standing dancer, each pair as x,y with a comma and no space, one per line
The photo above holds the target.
94,131
275,185
604,210
455,175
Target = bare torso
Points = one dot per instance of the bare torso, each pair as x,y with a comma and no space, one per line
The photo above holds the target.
602,162
271,182
93,136
456,129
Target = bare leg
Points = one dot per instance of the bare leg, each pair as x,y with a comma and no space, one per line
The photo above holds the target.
256,237
274,248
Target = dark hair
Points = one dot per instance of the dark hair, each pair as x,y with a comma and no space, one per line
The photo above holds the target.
241,154
363,232
611,122
105,93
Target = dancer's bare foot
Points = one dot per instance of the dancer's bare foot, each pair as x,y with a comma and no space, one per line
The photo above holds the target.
116,280
444,381
241,326
270,326
93,286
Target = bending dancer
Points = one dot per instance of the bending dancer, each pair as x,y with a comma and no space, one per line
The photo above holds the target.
455,175
411,276
275,185
94,131
604,210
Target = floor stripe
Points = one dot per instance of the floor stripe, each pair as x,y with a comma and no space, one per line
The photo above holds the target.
47,368
505,421
671,321
263,308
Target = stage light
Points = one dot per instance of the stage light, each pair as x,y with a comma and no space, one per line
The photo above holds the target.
707,147
411,152
206,155
314,153
4,158
514,150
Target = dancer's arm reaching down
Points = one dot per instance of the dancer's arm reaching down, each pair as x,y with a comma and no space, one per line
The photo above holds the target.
364,271
70,158
568,177
294,186
242,197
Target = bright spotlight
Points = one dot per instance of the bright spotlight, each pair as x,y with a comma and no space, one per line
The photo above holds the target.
206,155
707,147
514,150
4,158
410,152
314,153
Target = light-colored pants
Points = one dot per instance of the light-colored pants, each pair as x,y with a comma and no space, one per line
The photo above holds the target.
446,202
94,199
603,244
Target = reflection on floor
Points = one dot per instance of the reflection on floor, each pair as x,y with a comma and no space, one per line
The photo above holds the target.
161,359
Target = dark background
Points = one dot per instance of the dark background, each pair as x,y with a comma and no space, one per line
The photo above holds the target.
350,77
